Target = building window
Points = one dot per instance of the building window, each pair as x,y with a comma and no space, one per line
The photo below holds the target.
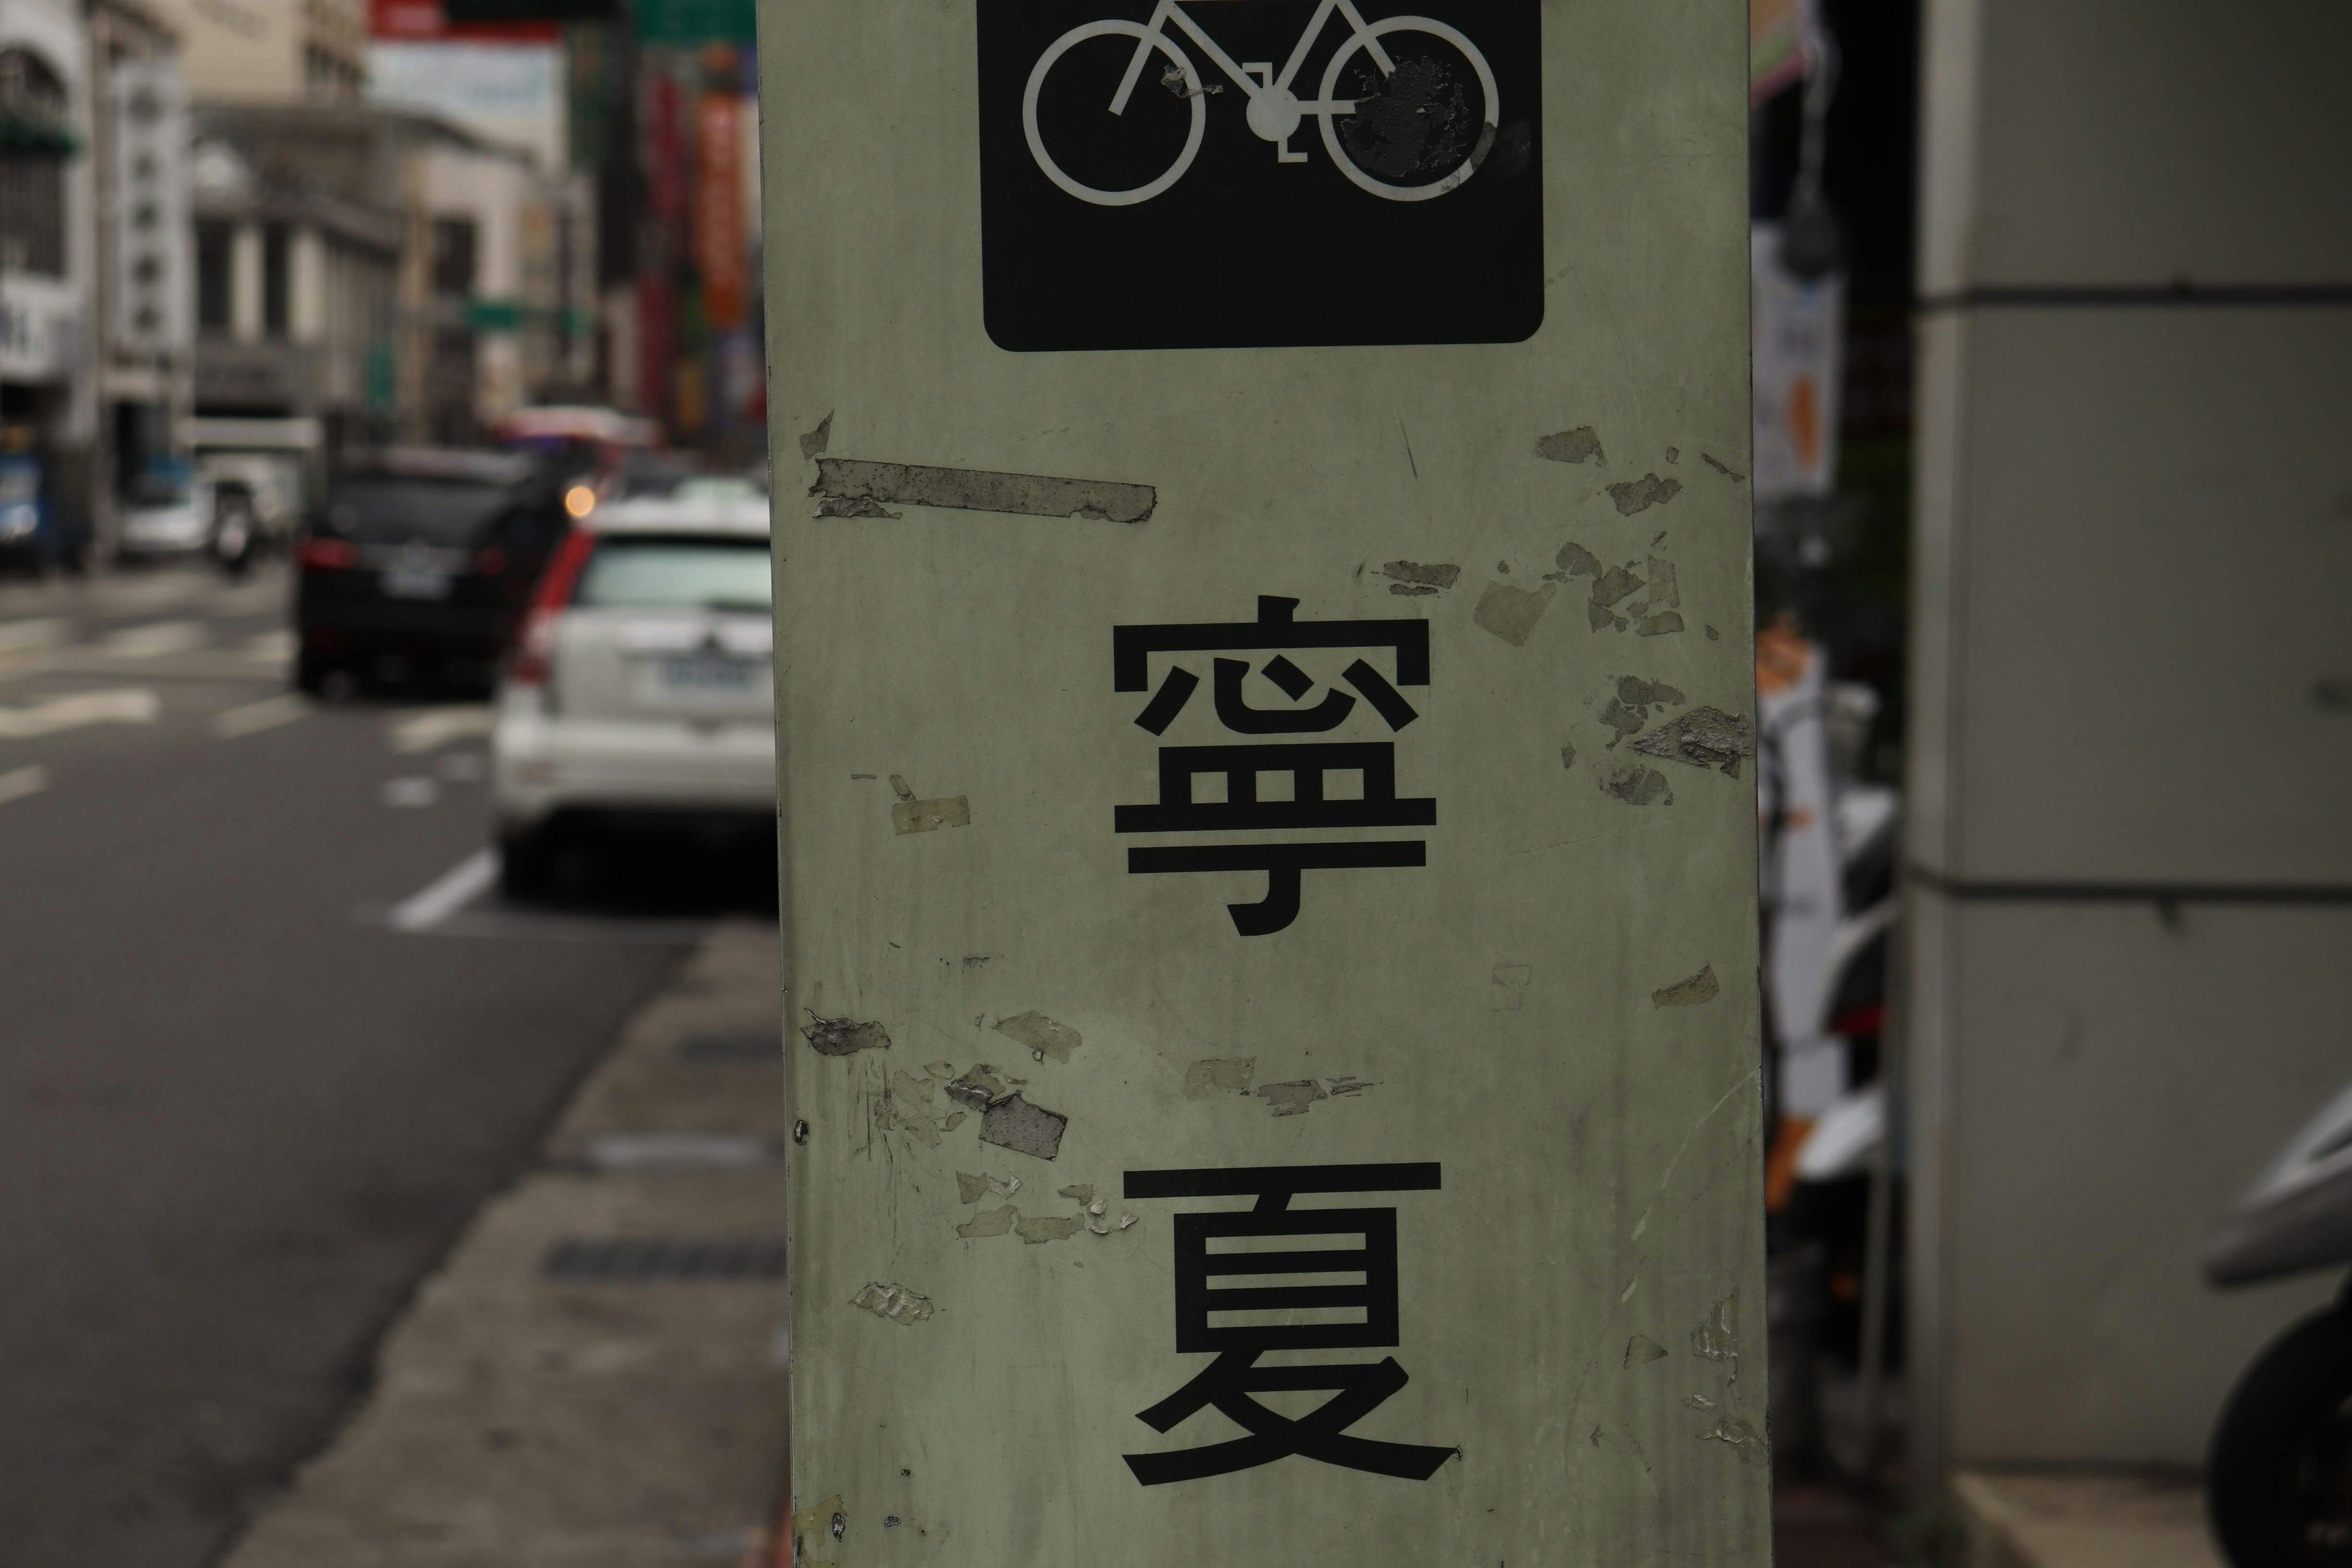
454,245
277,279
35,137
215,291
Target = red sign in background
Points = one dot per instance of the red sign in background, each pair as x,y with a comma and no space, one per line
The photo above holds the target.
720,249
425,22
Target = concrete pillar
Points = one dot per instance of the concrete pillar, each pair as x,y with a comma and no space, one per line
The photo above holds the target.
306,318
2130,838
244,283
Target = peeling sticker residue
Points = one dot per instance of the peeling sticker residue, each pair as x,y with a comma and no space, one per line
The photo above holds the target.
940,1069
1511,613
1612,585
1659,625
1639,495
1080,1191
1575,561
895,1303
1624,720
860,506
907,1107
1291,1099
1697,1402
1642,1350
1571,446
971,1187
1042,1035
992,1222
978,1087
1213,1076
1421,122
1705,738
1674,455
851,481
1104,1226
1665,593
1637,785
1714,635
1697,991
812,443
976,959
1350,1084
1716,1338
1024,1128
1039,1228
812,1524
1413,577
1173,79
1712,463
1568,757
908,815
840,1038
1508,992
1741,1439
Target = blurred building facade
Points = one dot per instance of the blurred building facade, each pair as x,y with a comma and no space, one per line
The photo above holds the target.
2129,840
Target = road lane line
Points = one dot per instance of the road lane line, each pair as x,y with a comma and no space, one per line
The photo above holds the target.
19,783
125,705
463,883
439,726
255,717
155,639
270,647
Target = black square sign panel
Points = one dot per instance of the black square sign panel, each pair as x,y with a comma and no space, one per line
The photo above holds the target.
1260,174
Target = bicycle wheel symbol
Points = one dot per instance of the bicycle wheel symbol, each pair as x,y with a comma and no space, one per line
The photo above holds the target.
1194,95
1410,133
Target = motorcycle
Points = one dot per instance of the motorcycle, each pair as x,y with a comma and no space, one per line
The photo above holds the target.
2278,1476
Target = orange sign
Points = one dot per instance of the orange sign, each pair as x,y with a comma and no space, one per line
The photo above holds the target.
721,246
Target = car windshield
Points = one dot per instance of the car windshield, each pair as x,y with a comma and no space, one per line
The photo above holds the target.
676,574
389,510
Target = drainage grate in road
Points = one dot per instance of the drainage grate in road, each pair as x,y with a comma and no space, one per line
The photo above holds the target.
657,1259
741,1046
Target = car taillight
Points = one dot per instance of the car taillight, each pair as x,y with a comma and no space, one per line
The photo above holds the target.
490,562
534,649
326,554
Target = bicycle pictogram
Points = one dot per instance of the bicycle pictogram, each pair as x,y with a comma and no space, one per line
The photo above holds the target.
1412,119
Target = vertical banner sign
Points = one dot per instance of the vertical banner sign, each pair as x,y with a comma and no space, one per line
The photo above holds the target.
721,249
1267,713
154,281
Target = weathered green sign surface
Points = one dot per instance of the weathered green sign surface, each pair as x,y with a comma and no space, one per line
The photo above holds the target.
1265,693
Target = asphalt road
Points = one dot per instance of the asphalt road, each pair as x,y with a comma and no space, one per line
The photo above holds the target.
266,1043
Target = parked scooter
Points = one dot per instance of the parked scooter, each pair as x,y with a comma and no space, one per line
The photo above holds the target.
2278,1477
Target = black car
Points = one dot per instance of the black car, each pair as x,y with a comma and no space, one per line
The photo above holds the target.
421,562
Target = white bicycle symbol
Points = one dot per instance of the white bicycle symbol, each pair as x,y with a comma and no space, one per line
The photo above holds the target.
1275,110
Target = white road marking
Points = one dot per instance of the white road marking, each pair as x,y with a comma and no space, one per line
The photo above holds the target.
410,793
463,883
271,647
255,717
19,782
126,705
439,726
47,631
154,640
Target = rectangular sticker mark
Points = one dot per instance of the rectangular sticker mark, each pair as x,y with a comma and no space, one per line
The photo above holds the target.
852,487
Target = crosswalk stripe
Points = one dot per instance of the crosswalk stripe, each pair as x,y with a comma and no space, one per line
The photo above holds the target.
47,631
270,647
154,639
19,782
439,726
125,705
255,717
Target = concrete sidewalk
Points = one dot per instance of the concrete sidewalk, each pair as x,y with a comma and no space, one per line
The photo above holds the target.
595,1378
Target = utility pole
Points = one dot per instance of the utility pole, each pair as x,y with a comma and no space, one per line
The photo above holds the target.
1265,697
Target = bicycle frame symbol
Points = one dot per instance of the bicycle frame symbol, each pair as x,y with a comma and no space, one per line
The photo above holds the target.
1276,111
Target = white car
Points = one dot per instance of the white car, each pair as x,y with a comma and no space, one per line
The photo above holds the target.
640,693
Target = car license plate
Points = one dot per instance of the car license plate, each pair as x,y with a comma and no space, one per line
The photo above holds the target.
415,582
707,677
